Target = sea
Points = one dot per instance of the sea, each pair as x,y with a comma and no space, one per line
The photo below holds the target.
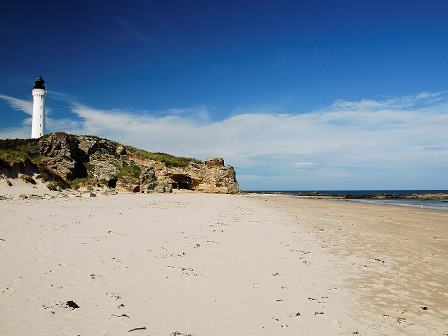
427,203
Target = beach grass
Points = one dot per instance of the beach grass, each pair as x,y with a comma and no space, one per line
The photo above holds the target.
14,151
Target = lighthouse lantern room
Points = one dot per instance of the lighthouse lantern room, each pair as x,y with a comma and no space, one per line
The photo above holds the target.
39,92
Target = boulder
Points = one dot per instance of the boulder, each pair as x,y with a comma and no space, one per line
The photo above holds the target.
214,162
127,186
164,186
121,150
148,180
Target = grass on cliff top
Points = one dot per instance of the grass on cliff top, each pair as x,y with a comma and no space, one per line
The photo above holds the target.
14,151
167,159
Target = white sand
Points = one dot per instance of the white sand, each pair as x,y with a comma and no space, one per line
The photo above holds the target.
19,187
205,265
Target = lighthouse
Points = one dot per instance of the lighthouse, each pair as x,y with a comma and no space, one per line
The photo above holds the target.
39,92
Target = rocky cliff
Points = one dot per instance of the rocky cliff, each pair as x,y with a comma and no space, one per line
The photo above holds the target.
72,161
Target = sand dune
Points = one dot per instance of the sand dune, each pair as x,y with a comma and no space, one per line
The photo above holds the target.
200,264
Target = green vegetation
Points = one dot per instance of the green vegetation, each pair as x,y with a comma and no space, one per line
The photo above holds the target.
13,151
82,182
79,182
86,182
53,186
89,166
47,176
131,170
167,159
28,179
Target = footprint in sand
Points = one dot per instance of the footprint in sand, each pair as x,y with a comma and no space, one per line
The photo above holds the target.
116,296
7,291
122,315
188,271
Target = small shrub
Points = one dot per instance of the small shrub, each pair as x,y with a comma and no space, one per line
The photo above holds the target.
131,170
86,182
47,176
28,179
167,159
80,182
89,166
53,186
14,151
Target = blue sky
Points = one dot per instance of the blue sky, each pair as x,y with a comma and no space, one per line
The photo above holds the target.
294,94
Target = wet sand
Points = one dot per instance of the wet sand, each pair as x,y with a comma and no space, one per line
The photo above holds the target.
204,264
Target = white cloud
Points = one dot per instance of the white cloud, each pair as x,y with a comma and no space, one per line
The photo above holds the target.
389,143
303,164
22,105
17,104
15,132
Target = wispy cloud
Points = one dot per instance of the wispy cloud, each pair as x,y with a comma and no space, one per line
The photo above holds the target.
132,30
393,142
22,105
421,99
17,104
303,164
15,132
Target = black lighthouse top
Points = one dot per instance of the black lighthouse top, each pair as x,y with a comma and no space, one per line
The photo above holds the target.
39,83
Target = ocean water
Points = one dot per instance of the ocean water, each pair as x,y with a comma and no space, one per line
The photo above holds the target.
430,203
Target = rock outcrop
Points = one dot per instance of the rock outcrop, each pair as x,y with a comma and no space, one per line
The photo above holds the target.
83,161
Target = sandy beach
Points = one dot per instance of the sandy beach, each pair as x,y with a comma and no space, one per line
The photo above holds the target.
203,264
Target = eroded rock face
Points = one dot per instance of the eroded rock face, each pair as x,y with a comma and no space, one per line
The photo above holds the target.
111,164
103,169
212,176
218,178
124,185
14,171
148,180
62,155
164,186
120,150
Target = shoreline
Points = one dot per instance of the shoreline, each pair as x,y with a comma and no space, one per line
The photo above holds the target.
371,200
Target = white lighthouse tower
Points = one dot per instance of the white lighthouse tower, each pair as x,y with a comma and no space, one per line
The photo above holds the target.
39,92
